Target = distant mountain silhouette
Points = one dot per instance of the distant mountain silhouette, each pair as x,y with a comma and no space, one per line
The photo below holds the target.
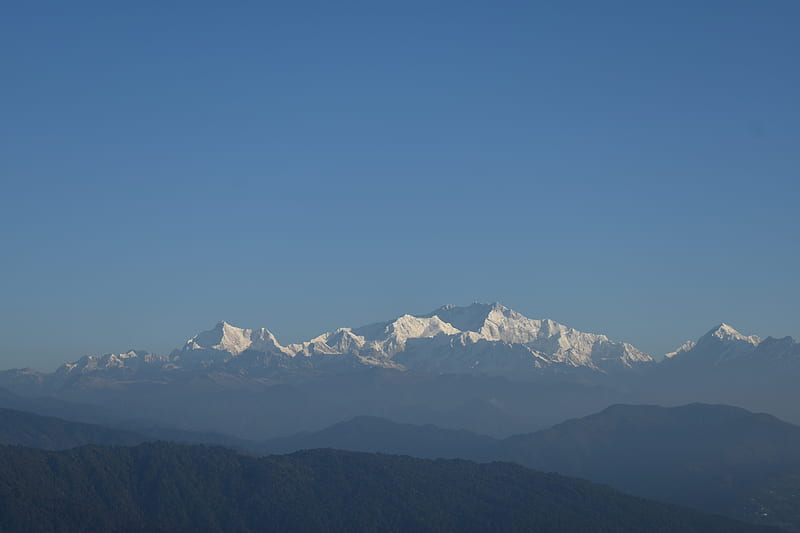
167,487
713,457
718,458
24,424
373,434
28,429
727,367
483,368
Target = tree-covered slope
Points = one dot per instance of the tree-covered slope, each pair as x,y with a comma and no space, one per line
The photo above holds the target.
167,487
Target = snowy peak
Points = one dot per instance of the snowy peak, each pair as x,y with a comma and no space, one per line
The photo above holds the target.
413,327
721,344
488,338
504,324
127,361
377,342
726,333
493,321
225,337
546,339
685,347
467,318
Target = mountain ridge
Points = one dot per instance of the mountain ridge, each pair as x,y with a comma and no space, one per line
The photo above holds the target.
717,458
502,374
492,339
168,487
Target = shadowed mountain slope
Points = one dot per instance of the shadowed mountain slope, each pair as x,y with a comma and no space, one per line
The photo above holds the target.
28,429
165,487
712,457
50,433
373,434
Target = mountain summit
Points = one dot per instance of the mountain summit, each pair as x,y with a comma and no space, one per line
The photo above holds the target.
722,343
482,338
232,340
726,334
487,339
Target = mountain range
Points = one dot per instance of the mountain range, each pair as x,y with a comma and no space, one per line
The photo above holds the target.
714,458
168,487
481,367
479,339
485,339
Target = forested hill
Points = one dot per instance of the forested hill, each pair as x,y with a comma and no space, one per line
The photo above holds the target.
169,487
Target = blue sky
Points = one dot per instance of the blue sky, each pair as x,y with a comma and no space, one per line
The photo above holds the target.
623,167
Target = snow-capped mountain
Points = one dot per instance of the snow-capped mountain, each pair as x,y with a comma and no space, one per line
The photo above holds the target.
725,366
685,347
546,339
444,364
376,344
720,345
480,338
227,340
127,363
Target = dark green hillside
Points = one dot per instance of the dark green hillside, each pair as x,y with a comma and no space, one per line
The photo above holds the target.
167,487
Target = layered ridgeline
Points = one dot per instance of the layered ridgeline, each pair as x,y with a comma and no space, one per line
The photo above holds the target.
481,338
726,366
715,458
481,367
724,347
165,487
484,339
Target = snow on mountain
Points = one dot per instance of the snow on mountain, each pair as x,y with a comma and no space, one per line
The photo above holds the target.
129,362
721,344
685,347
376,341
227,339
727,334
547,339
483,338
726,343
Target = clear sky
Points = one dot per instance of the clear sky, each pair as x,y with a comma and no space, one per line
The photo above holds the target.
629,168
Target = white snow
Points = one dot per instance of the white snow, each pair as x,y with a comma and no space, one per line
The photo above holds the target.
724,332
685,347
481,337
437,334
225,337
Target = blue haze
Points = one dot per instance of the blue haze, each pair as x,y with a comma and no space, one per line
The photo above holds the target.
623,167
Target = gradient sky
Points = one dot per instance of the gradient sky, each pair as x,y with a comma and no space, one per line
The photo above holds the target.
628,168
